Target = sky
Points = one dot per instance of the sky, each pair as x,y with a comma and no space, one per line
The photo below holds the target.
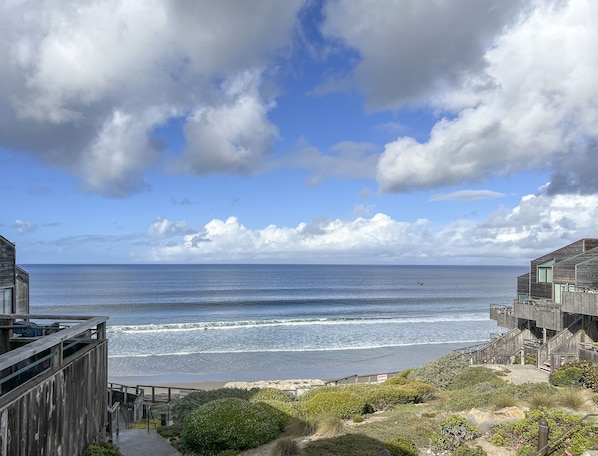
268,131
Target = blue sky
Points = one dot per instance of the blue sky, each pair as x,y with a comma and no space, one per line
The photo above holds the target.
387,131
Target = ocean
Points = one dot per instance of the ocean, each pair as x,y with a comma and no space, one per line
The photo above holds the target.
175,323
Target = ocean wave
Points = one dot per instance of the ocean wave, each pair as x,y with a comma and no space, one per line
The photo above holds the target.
233,351
244,324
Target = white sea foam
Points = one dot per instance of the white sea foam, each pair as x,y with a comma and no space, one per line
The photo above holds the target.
223,325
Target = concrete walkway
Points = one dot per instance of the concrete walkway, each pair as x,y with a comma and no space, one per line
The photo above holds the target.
140,442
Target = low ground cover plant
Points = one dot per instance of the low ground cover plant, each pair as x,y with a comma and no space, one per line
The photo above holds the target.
453,432
102,449
522,435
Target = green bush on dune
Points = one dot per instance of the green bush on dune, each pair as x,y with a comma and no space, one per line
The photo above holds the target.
440,373
189,403
271,394
389,395
341,404
229,424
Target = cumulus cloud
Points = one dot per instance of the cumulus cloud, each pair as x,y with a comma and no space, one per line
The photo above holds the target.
532,106
234,136
409,49
509,235
83,84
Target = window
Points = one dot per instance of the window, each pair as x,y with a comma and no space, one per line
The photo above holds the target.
6,300
545,271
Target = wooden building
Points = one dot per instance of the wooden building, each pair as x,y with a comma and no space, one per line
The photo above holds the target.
554,316
53,373
14,281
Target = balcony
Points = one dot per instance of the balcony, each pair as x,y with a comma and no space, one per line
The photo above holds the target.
503,315
52,383
583,301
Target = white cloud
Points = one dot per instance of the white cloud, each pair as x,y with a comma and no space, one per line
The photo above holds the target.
516,235
163,228
84,83
234,136
532,105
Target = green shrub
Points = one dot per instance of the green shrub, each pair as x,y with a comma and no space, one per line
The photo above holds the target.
285,447
397,380
424,391
283,411
401,446
389,395
271,394
465,450
442,372
341,404
192,401
567,377
473,376
453,432
522,435
547,399
319,390
102,449
589,377
229,423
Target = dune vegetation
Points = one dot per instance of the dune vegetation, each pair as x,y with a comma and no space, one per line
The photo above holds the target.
445,407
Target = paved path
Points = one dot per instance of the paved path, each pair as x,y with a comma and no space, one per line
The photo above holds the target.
140,442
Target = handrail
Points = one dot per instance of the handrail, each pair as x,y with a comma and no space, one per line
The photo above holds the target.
544,449
24,352
556,341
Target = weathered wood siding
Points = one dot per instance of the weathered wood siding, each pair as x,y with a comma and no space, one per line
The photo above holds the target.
523,284
545,317
22,287
58,413
564,273
544,290
541,290
587,274
580,303
7,263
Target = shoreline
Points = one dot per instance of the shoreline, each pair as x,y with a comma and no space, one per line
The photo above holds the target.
325,366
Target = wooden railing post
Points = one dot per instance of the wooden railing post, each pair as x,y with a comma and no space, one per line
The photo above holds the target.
5,335
543,431
58,356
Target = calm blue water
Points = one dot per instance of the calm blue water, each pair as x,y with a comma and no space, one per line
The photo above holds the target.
237,322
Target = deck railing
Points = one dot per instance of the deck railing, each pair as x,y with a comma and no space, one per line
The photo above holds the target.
27,357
